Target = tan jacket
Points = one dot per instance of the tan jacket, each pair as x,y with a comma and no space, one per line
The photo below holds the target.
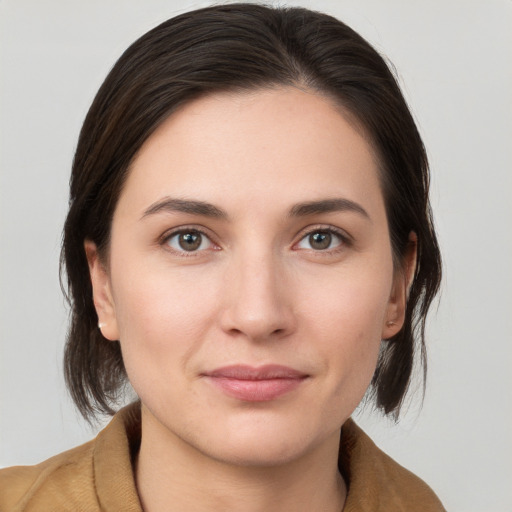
98,476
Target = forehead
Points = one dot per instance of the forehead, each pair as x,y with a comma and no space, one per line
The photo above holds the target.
265,145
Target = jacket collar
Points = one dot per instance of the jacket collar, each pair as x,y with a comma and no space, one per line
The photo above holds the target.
375,482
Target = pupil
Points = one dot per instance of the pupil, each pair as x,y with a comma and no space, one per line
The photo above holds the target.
320,240
190,241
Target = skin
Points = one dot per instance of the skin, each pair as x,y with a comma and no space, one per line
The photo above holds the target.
256,291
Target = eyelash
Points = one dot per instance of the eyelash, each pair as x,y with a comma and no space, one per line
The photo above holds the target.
345,240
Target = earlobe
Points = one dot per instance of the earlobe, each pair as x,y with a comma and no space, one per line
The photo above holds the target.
403,280
102,293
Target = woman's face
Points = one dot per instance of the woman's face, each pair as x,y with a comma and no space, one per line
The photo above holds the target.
250,276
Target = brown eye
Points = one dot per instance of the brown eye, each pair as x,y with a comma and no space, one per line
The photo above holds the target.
189,241
320,240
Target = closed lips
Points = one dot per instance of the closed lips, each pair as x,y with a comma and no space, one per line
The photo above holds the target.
256,384
267,372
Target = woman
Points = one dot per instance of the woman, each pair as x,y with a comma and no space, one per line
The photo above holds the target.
249,243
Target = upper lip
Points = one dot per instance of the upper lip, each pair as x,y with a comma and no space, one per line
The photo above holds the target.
265,372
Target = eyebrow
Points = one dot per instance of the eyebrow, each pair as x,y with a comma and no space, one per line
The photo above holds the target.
190,206
327,206
202,208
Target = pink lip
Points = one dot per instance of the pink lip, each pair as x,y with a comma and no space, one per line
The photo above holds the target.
259,384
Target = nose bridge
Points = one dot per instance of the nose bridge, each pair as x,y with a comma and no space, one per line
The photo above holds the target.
257,303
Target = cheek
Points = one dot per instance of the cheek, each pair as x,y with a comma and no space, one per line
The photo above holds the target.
351,304
162,318
345,319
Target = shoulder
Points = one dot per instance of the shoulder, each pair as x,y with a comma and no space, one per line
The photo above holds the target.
59,483
377,482
95,476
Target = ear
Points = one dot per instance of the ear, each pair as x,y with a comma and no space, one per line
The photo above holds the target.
402,283
102,293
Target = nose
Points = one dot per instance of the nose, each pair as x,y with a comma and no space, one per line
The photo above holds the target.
257,300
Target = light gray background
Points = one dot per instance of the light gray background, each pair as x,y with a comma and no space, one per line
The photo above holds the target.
454,63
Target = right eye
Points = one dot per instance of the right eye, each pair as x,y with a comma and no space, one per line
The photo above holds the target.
190,240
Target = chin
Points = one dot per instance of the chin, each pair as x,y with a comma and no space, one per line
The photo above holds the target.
264,443
258,452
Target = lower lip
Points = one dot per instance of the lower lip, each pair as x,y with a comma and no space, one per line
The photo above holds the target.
256,390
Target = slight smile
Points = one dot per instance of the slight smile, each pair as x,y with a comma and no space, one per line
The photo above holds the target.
256,384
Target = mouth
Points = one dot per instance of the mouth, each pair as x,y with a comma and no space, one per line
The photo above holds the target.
256,384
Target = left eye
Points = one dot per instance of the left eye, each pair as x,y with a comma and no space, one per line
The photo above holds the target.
320,240
189,241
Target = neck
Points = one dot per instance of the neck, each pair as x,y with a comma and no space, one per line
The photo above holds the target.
172,476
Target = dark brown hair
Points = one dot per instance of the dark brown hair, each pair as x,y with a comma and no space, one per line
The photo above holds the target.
241,47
